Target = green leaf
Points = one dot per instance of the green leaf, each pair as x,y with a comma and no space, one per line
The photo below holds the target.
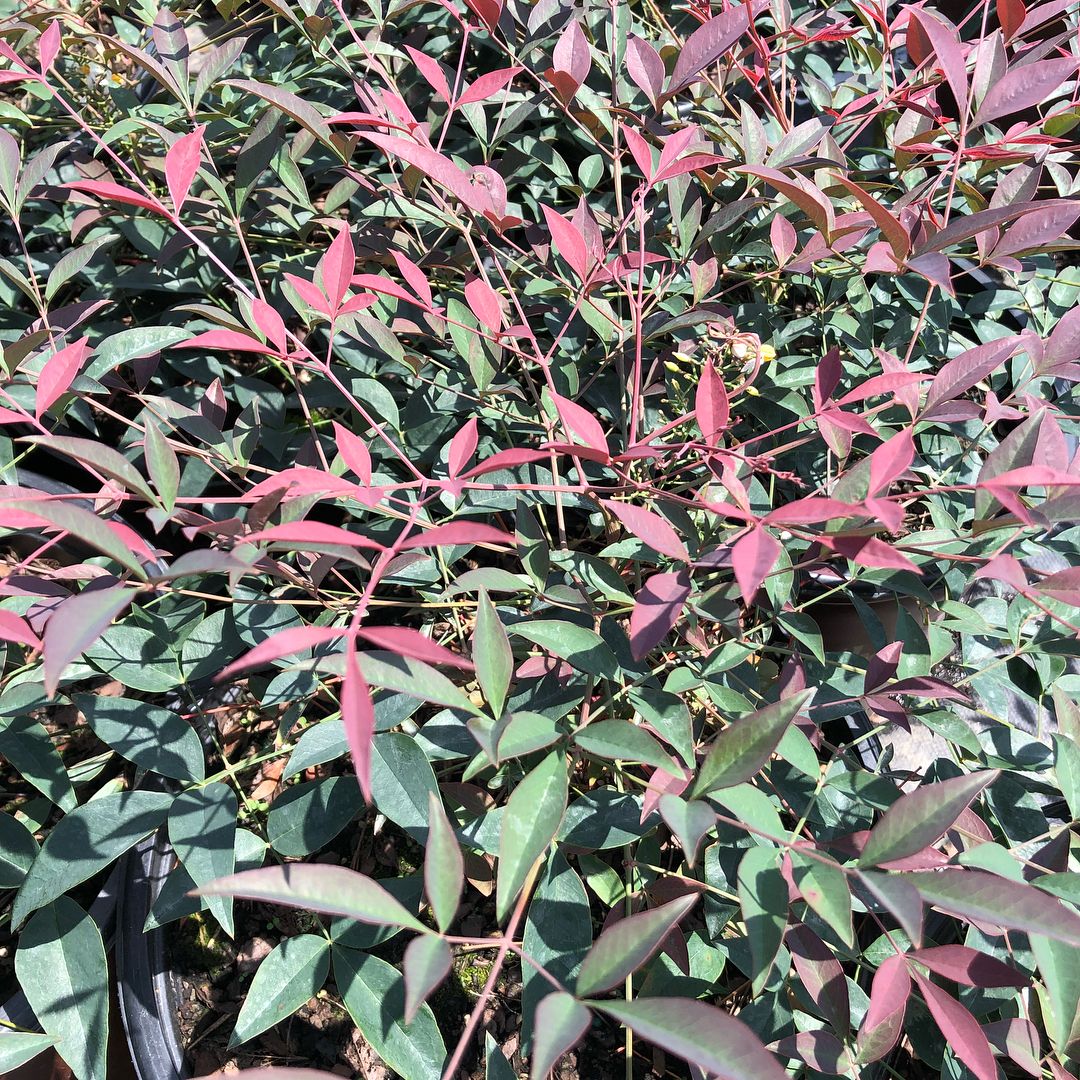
444,869
497,1067
492,655
628,944
306,817
706,1036
583,648
18,849
1060,970
560,1023
763,895
408,676
689,821
401,782
86,840
741,749
202,831
61,967
159,740
427,962
162,464
996,901
137,657
26,745
825,888
292,973
132,344
922,816
100,457
621,740
18,1047
531,820
669,717
558,932
604,818
328,890
1067,769
374,994
532,545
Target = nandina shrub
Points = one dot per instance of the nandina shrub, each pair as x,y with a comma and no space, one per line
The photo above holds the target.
624,457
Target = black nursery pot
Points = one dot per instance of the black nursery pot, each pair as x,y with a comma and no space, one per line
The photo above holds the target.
150,992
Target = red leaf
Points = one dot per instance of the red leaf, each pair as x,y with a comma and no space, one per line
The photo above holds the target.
104,189
457,532
891,460
884,1019
1063,345
430,162
810,510
711,406
960,1028
487,11
181,165
752,557
1064,586
581,424
964,371
338,266
432,72
1023,87
232,340
416,279
709,42
48,46
487,85
484,303
462,447
311,532
873,553
888,383
507,459
783,238
1011,15
822,976
572,54
1005,568
405,641
946,44
1041,227
14,628
311,294
358,716
801,192
569,243
644,66
889,225
967,966
827,377
650,527
657,607
58,373
354,452
640,150
284,643
269,323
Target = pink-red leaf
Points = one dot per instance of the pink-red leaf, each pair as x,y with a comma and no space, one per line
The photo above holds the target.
270,323
657,607
462,447
889,225
1040,227
946,44
813,203
232,340
75,625
711,406
48,46
507,459
644,66
338,266
1023,87
105,189
709,42
358,717
569,243
430,162
284,643
432,72
891,460
354,453
488,84
457,532
969,967
298,533
960,1028
752,557
58,373
884,1018
572,53
181,165
580,423
650,527
964,371
14,628
405,641
484,303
